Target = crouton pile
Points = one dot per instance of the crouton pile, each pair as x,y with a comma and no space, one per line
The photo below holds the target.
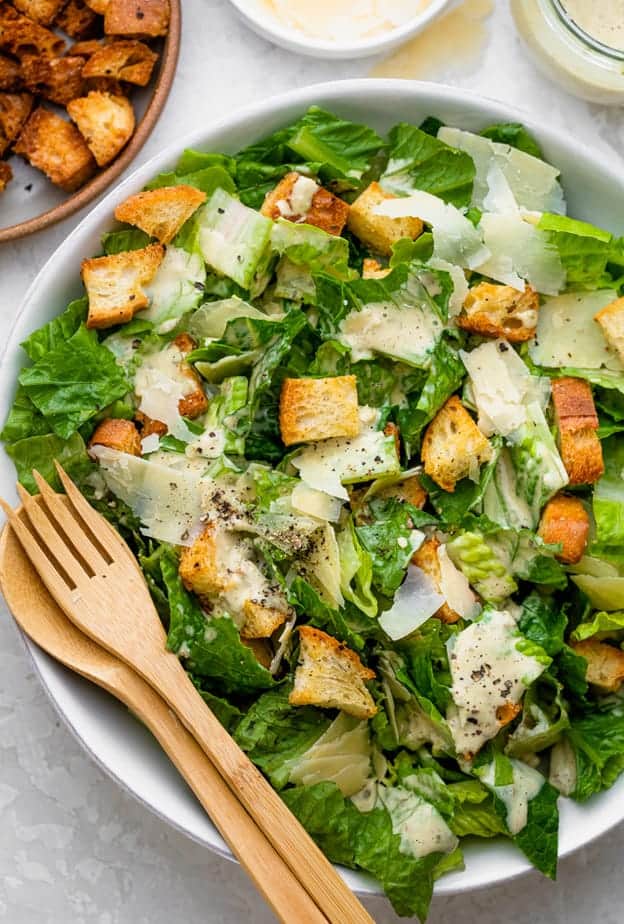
67,69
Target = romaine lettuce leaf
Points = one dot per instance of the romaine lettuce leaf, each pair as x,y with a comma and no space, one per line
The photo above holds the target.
608,497
419,161
539,839
515,135
39,452
544,622
356,571
126,239
57,331
24,419
601,625
583,248
345,149
336,622
453,508
598,742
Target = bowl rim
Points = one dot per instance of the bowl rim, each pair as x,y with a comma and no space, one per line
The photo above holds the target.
599,817
103,180
269,27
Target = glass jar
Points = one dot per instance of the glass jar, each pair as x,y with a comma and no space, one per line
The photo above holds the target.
570,54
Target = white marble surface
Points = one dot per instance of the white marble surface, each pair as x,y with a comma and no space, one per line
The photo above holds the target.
74,849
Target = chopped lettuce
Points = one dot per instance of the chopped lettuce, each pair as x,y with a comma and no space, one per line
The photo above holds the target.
356,571
344,149
601,625
485,571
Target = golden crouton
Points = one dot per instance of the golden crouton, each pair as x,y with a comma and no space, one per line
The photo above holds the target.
148,426
500,311
453,445
87,48
576,418
507,713
137,17
261,621
161,212
317,409
326,211
611,320
409,491
14,110
605,664
77,20
115,283
376,231
195,402
105,121
261,649
426,558
42,11
6,175
57,148
98,6
21,36
372,269
127,60
57,79
10,78
199,566
118,434
565,522
332,676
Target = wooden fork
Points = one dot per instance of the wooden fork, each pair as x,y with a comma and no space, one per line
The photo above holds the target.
92,575
45,623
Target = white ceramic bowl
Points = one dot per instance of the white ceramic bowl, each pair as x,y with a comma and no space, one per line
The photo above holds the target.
120,744
258,16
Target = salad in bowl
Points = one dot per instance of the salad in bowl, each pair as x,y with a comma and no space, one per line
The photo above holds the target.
355,402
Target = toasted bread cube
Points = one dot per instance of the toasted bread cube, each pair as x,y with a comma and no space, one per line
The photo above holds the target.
194,403
115,283
565,522
611,320
98,6
261,649
408,491
317,409
118,434
576,418
426,558
376,231
332,676
86,49
128,60
261,621
148,426
56,79
57,148
161,212
106,122
78,20
372,269
299,198
507,713
453,445
137,17
493,310
42,11
605,664
10,78
14,110
21,36
200,570
6,175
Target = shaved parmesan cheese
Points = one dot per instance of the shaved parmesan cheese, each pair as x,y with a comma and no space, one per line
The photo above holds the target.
302,194
502,386
166,498
150,443
210,445
342,755
455,588
519,251
567,334
415,602
176,288
456,240
499,196
533,183
160,384
311,502
322,566
408,333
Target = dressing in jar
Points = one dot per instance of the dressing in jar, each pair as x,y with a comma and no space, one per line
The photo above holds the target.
578,43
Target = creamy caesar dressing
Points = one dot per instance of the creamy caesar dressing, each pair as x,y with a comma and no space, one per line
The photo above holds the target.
210,445
567,334
408,333
299,202
515,796
419,825
243,582
488,673
602,19
344,21
160,383
563,772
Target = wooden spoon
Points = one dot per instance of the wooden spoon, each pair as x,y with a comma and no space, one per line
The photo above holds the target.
45,623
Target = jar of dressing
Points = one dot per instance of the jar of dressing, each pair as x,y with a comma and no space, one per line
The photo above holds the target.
578,43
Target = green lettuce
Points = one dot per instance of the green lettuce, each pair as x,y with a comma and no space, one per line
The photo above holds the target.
584,250
601,625
356,571
539,839
515,135
544,622
608,497
419,161
345,149
124,240
598,743
474,812
57,331
485,571
336,622
39,452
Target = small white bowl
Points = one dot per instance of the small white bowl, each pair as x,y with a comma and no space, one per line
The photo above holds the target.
258,16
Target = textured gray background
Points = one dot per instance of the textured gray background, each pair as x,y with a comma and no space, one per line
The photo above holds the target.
74,849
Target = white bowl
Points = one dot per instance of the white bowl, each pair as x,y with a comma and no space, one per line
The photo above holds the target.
259,17
120,744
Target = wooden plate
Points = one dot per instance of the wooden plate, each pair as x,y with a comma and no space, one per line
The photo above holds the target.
157,94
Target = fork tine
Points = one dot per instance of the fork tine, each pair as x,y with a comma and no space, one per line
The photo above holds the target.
51,577
51,538
95,521
71,525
